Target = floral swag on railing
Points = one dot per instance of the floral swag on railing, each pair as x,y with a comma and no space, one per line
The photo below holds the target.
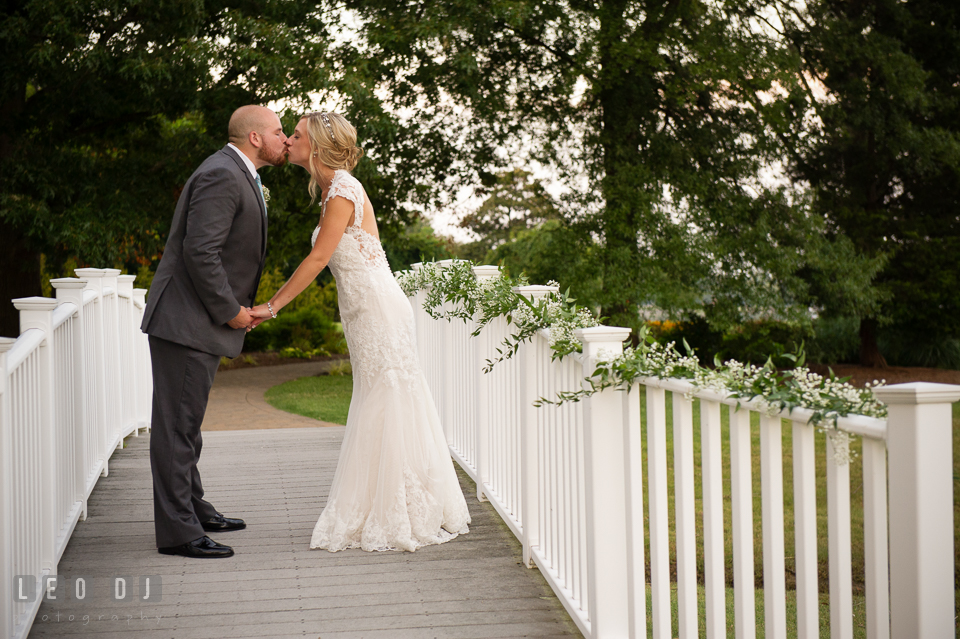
453,291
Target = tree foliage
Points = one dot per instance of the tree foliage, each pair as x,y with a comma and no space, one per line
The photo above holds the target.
639,103
882,154
516,201
740,158
109,106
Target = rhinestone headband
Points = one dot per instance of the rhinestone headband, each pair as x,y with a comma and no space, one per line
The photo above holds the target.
326,122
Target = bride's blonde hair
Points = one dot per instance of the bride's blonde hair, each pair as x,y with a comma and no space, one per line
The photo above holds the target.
333,143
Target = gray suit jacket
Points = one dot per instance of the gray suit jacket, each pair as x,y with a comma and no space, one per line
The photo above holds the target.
212,261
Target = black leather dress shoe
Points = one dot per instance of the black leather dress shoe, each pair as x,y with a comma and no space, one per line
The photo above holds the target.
223,524
201,548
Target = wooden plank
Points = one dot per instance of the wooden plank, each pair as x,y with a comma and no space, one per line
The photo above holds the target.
277,480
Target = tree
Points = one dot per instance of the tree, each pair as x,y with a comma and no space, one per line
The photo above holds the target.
109,106
638,103
882,154
515,201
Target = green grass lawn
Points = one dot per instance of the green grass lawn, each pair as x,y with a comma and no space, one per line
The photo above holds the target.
324,397
859,613
328,398
856,497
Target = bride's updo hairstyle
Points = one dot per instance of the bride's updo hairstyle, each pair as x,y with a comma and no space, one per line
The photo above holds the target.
333,143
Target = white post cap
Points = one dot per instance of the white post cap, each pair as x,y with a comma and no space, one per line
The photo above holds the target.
125,283
67,283
536,291
486,271
602,338
89,273
35,303
918,393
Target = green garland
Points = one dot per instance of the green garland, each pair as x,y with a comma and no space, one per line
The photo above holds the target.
454,292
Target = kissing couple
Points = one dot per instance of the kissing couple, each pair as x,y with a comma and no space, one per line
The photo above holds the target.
395,487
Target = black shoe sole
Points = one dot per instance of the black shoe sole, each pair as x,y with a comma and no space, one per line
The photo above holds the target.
170,551
223,530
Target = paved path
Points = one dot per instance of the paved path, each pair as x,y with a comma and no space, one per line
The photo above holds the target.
278,480
237,403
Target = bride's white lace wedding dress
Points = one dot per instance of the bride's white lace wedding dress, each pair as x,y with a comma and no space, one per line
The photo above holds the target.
395,487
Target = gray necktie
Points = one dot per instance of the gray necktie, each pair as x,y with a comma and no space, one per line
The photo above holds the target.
260,187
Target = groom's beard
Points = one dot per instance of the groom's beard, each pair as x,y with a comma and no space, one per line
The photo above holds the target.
278,159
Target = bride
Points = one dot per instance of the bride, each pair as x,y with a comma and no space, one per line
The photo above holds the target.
395,487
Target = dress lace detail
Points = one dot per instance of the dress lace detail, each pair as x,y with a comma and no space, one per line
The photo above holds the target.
395,487
348,187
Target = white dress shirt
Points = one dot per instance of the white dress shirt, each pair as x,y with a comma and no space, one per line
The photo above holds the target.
246,161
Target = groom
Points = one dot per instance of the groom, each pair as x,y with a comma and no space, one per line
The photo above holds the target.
197,312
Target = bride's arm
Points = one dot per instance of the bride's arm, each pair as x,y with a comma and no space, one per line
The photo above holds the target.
338,213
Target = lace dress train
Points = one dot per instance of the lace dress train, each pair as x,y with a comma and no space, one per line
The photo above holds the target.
395,487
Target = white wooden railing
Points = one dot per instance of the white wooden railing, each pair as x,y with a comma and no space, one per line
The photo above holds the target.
568,482
73,385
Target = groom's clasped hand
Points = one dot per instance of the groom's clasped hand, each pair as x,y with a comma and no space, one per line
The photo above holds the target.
242,320
250,318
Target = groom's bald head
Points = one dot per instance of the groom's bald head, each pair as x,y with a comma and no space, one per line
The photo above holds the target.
247,119
256,131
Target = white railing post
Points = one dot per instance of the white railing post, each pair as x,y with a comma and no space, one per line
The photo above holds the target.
127,354
529,466
658,506
94,280
771,508
920,459
712,486
633,474
741,497
481,344
70,290
6,492
144,390
684,509
876,538
805,529
605,477
446,380
37,312
111,333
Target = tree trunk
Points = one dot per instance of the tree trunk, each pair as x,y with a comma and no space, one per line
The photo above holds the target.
625,97
20,265
870,354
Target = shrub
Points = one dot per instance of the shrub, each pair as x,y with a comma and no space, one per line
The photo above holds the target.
836,340
304,329
906,348
752,342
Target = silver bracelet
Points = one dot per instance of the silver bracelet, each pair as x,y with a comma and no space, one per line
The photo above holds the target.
270,308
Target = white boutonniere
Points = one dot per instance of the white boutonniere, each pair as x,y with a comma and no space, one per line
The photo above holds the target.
266,193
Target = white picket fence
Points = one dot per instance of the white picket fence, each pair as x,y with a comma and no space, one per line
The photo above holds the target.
73,385
567,481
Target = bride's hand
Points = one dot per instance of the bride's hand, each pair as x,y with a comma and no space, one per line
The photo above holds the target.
261,312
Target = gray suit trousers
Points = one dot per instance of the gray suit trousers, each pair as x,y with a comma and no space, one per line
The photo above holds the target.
182,378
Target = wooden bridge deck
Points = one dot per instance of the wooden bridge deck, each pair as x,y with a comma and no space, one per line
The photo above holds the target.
277,480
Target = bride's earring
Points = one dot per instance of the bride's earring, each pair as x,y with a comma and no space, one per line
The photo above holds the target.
314,154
